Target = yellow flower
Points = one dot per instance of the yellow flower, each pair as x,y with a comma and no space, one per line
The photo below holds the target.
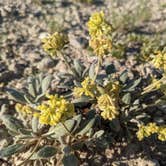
101,45
108,107
88,88
54,43
159,60
98,26
152,128
162,133
140,133
146,131
24,109
55,110
157,84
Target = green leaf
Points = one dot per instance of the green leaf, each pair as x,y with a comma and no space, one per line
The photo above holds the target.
92,71
28,98
69,158
35,122
12,123
78,66
133,85
10,150
87,126
46,83
25,132
44,152
98,134
31,86
124,76
126,98
78,119
16,95
59,130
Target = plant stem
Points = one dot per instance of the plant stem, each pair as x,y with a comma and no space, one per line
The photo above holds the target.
69,66
68,131
33,151
97,68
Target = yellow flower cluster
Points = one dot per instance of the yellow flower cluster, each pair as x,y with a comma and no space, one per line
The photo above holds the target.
88,88
101,45
108,107
99,30
108,102
98,26
149,129
162,133
24,109
55,110
54,43
159,60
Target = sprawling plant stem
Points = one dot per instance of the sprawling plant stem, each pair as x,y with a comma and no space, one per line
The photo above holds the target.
68,64
68,131
33,151
99,61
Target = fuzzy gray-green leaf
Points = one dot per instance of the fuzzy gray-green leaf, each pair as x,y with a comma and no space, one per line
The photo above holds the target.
35,122
10,150
12,123
46,83
92,71
87,126
70,160
44,153
78,119
126,98
98,134
59,130
31,87
79,67
123,77
16,95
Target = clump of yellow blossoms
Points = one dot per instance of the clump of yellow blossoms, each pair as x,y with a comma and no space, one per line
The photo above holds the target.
88,88
108,107
99,30
54,43
162,133
101,45
98,26
108,102
149,129
55,110
159,61
24,109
